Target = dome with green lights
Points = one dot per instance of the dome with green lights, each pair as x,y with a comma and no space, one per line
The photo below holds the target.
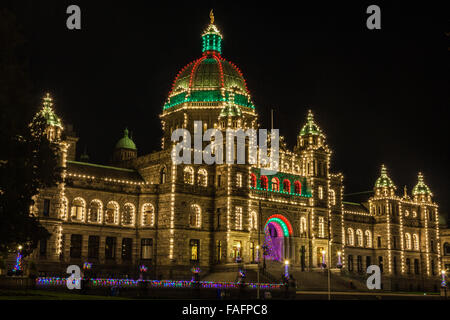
209,78
421,187
310,127
384,181
126,142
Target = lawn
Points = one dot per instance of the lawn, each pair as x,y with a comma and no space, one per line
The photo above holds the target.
49,295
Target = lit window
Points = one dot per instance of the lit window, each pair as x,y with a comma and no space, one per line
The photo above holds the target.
189,175
238,218
253,222
202,178
78,208
368,239
321,227
275,184
148,216
286,186
350,237
408,241
359,237
332,197
416,241
320,191
239,180
128,214
195,248
195,216
303,225
95,211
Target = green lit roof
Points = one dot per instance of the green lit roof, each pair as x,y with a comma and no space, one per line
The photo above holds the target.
310,128
126,142
421,187
209,78
384,181
48,113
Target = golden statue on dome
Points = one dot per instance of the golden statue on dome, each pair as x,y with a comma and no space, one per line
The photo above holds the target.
211,16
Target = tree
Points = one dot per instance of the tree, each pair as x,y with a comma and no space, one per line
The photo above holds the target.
28,160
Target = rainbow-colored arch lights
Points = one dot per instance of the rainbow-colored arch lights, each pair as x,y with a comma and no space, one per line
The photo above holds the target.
281,224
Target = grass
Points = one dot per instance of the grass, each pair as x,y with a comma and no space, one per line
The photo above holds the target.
49,295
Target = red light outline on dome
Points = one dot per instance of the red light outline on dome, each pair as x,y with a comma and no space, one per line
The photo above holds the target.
178,76
195,68
238,71
220,69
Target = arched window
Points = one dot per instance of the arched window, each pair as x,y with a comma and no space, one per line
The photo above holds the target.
195,216
416,241
163,175
297,169
406,213
238,218
303,226
414,214
95,211
332,197
64,208
148,214
321,227
112,213
202,178
252,221
350,237
128,214
78,209
286,186
320,192
359,238
253,180
264,182
275,184
298,187
368,239
408,241
189,175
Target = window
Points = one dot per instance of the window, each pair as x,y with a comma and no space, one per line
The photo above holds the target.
416,266
408,241
379,242
298,187
148,215
194,245
321,227
46,211
416,241
253,180
93,247
264,182
275,184
110,247
395,265
163,175
202,178
252,251
239,180
238,218
380,263
368,261
332,197
414,214
368,239
406,213
43,248
253,221
359,238
195,216
112,213
146,249
75,246
78,207
128,214
236,250
64,209
126,249
286,186
320,192
95,211
219,250
359,263
446,248
189,175
350,262
350,237
303,226
408,266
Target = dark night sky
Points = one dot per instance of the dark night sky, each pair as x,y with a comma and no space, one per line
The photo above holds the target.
380,96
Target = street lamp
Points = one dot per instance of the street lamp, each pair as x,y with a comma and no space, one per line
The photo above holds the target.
324,265
286,269
257,253
339,264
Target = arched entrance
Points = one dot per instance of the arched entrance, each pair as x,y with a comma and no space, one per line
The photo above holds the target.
277,231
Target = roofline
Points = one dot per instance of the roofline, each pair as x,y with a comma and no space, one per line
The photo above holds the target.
100,166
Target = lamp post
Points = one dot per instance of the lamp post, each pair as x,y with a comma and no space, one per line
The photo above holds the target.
339,264
257,260
444,284
286,269
324,265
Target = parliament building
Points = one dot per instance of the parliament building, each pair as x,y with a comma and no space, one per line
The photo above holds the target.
146,210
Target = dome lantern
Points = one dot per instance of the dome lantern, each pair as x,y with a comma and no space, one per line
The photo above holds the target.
384,184
421,190
212,39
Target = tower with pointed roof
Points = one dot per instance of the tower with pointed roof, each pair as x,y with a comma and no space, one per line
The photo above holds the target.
384,185
421,192
54,126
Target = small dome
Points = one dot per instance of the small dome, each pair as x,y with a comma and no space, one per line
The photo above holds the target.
421,187
126,142
384,181
48,113
310,127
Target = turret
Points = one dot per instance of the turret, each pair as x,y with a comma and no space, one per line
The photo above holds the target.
421,191
384,185
125,148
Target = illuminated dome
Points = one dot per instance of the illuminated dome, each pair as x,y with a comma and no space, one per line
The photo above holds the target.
209,78
125,142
